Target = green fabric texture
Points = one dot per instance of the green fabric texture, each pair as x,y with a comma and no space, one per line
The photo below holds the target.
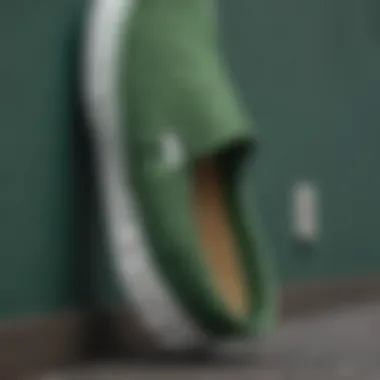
174,86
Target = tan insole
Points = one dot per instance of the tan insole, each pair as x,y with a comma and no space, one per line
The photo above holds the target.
218,238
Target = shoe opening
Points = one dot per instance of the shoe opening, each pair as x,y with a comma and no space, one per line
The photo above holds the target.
216,205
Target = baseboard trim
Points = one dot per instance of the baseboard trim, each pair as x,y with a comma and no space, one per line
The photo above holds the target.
317,298
36,345
42,344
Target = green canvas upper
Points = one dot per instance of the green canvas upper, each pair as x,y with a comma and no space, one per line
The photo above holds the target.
180,105
176,78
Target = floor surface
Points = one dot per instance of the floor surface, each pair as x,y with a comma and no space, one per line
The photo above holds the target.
340,345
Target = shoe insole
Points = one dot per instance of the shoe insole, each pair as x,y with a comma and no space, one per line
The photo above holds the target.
218,238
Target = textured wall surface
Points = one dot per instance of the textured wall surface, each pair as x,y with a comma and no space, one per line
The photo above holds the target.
310,75
39,181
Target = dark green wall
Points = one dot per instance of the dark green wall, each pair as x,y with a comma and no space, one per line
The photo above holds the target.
309,74
40,255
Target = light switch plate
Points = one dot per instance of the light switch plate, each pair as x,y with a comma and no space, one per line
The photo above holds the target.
305,212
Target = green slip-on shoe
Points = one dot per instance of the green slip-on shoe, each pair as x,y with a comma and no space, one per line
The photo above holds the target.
175,152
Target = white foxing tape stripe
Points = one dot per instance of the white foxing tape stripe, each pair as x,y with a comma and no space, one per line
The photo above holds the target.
148,294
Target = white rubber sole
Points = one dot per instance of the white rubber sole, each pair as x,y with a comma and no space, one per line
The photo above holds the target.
146,292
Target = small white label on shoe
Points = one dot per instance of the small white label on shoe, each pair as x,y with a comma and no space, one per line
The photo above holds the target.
172,151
